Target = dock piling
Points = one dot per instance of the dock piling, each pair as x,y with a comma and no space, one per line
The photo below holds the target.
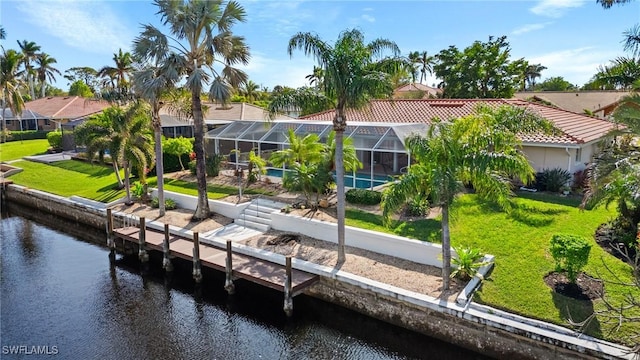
197,271
142,252
111,242
166,260
228,284
288,298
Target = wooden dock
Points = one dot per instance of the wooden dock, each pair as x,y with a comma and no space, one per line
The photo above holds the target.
272,275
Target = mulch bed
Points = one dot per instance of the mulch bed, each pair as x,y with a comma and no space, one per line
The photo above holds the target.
586,288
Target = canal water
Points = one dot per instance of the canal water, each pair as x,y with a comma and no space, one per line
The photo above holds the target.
62,297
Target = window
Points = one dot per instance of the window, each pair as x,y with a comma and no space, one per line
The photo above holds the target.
578,154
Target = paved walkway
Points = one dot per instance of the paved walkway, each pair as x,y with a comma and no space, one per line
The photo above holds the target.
49,158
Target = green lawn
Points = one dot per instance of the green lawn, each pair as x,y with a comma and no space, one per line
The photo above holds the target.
18,149
213,191
520,242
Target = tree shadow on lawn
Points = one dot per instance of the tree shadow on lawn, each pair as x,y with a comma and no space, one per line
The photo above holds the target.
423,229
109,193
94,170
576,311
534,216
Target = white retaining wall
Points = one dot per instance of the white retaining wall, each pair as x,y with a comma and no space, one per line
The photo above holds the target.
190,202
401,247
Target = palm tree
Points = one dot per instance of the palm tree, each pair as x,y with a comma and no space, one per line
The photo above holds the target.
422,63
120,72
481,149
3,34
151,83
622,73
45,71
196,22
125,134
250,91
632,40
29,51
307,148
315,78
532,72
10,84
353,76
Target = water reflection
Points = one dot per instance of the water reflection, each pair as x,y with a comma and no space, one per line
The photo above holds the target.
68,293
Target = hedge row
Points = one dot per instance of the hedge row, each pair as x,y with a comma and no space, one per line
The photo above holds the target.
26,135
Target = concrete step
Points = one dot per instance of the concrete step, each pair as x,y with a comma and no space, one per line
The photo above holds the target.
262,212
252,225
256,219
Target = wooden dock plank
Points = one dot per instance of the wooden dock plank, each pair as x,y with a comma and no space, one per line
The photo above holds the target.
259,271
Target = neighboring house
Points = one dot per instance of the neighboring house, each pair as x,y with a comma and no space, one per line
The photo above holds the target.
416,91
571,150
599,103
50,113
215,115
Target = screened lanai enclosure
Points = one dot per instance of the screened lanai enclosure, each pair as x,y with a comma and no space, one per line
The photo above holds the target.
380,147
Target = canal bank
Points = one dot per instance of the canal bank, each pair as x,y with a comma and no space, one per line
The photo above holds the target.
471,326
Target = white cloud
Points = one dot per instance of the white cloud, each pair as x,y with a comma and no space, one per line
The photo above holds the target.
368,18
555,8
576,65
86,25
528,28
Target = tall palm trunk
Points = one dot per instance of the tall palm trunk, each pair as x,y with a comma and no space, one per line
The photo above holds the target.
32,90
157,134
42,89
127,187
446,247
339,127
117,171
202,209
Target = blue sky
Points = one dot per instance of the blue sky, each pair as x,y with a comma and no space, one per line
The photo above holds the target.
570,37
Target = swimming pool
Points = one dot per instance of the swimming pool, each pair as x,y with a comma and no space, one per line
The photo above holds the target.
362,180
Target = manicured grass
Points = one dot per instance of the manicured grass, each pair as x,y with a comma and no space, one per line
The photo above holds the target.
98,182
70,177
18,149
520,242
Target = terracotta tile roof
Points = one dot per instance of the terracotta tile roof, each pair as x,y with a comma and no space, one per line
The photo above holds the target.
576,128
67,107
576,101
238,111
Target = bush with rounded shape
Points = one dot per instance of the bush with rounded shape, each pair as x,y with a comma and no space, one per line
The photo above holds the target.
363,196
467,263
55,139
571,253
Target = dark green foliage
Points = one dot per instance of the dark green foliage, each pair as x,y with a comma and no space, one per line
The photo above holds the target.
571,253
467,262
169,204
26,135
213,164
192,167
552,179
55,139
363,196
418,206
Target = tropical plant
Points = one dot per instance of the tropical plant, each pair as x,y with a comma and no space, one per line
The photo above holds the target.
125,134
45,71
307,148
571,253
195,23
482,149
422,63
531,73
467,263
169,204
178,147
120,73
29,54
352,76
79,88
213,164
553,179
250,91
256,168
10,84
315,78
3,34
363,196
482,70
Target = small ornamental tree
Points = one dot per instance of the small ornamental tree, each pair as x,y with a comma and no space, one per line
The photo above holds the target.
178,147
570,253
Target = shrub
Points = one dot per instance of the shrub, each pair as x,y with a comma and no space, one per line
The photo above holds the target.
418,206
212,164
169,204
552,179
192,167
363,196
55,139
138,190
570,253
25,135
467,263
